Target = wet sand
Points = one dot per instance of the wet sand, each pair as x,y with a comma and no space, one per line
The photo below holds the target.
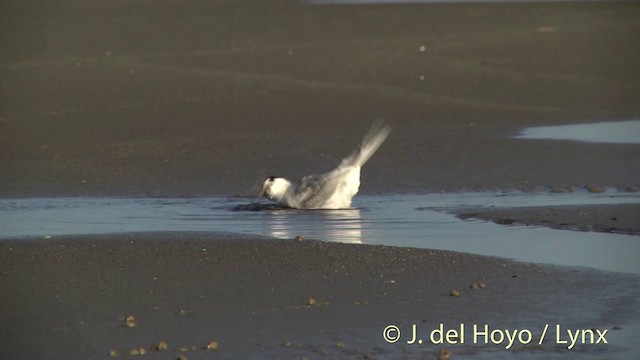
70,297
622,219
144,98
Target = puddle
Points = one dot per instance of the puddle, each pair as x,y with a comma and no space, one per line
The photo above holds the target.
615,132
400,220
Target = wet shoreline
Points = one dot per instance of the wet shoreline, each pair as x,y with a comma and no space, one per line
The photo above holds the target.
425,221
618,219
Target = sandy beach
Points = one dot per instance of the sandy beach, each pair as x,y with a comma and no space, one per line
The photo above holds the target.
201,98
147,99
265,298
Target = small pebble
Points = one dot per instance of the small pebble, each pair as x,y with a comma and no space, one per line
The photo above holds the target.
596,189
311,302
113,353
560,189
162,346
454,292
340,345
287,344
444,354
130,321
299,238
474,286
213,345
138,351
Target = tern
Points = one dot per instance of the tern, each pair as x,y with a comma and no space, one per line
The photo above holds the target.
332,190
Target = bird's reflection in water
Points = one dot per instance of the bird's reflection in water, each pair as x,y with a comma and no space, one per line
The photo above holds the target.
342,225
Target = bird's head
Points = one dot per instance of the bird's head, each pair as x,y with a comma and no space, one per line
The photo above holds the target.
274,188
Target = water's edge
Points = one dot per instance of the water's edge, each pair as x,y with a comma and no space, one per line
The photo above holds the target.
421,221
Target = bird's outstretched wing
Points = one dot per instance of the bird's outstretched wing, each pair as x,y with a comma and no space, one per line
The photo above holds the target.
370,144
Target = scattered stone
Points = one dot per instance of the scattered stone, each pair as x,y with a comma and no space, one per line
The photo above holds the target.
130,321
213,345
137,351
183,349
113,353
444,354
482,285
311,302
287,344
454,292
474,286
161,346
182,357
596,189
340,345
561,190
299,238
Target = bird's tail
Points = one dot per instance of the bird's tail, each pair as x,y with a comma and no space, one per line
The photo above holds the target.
370,144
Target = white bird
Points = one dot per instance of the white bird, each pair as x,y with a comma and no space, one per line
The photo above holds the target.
333,190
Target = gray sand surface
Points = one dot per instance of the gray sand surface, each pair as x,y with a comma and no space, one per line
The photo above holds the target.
70,296
623,219
209,97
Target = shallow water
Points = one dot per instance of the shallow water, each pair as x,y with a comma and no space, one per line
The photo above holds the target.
419,221
615,132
